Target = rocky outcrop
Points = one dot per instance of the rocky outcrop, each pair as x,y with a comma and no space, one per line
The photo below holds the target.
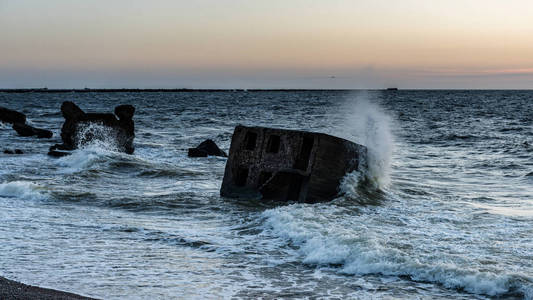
206,148
9,151
27,130
11,116
76,130
19,124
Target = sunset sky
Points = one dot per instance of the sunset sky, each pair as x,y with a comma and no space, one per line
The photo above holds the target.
266,44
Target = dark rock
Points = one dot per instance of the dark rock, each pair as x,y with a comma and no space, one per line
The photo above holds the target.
58,147
71,111
195,152
17,151
124,112
289,165
11,116
27,130
23,129
78,128
10,289
207,147
56,153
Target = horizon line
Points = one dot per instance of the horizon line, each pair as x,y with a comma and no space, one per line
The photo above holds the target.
110,90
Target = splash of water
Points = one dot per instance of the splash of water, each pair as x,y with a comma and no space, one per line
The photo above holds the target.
367,123
96,135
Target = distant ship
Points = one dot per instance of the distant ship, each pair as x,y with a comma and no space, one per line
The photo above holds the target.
392,89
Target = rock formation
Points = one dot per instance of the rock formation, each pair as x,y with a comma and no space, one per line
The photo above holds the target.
206,148
18,121
78,128
27,130
11,116
9,151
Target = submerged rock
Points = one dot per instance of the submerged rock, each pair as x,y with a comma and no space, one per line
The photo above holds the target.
78,128
17,151
11,116
56,153
27,130
206,148
289,165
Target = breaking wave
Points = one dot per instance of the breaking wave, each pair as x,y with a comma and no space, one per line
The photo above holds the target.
23,190
356,249
95,143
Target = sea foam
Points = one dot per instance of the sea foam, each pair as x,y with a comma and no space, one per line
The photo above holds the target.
358,249
22,189
95,142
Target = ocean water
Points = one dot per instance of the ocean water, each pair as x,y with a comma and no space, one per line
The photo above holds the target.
447,211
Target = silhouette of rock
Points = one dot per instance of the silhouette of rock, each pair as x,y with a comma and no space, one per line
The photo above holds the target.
125,112
74,134
27,130
17,151
56,153
11,116
206,148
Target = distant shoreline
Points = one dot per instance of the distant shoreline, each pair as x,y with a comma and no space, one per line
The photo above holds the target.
185,90
10,289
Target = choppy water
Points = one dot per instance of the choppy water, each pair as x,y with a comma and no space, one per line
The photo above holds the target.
448,214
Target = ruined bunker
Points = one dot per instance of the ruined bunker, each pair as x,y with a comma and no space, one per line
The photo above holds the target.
288,165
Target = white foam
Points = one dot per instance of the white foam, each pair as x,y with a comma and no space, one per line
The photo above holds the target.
361,249
94,141
22,190
79,160
95,135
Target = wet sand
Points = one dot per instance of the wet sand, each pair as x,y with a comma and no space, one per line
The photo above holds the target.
10,289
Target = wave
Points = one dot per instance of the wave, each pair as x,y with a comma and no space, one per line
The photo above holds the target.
81,159
356,249
367,123
22,190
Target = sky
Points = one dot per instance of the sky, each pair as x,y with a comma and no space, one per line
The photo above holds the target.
326,44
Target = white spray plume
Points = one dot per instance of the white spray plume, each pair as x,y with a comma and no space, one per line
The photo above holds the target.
367,123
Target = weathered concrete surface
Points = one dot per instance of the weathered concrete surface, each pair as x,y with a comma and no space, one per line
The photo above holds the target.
288,165
121,130
206,148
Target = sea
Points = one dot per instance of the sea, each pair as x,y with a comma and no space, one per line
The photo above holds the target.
445,210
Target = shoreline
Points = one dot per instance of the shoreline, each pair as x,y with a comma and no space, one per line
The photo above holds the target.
10,289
